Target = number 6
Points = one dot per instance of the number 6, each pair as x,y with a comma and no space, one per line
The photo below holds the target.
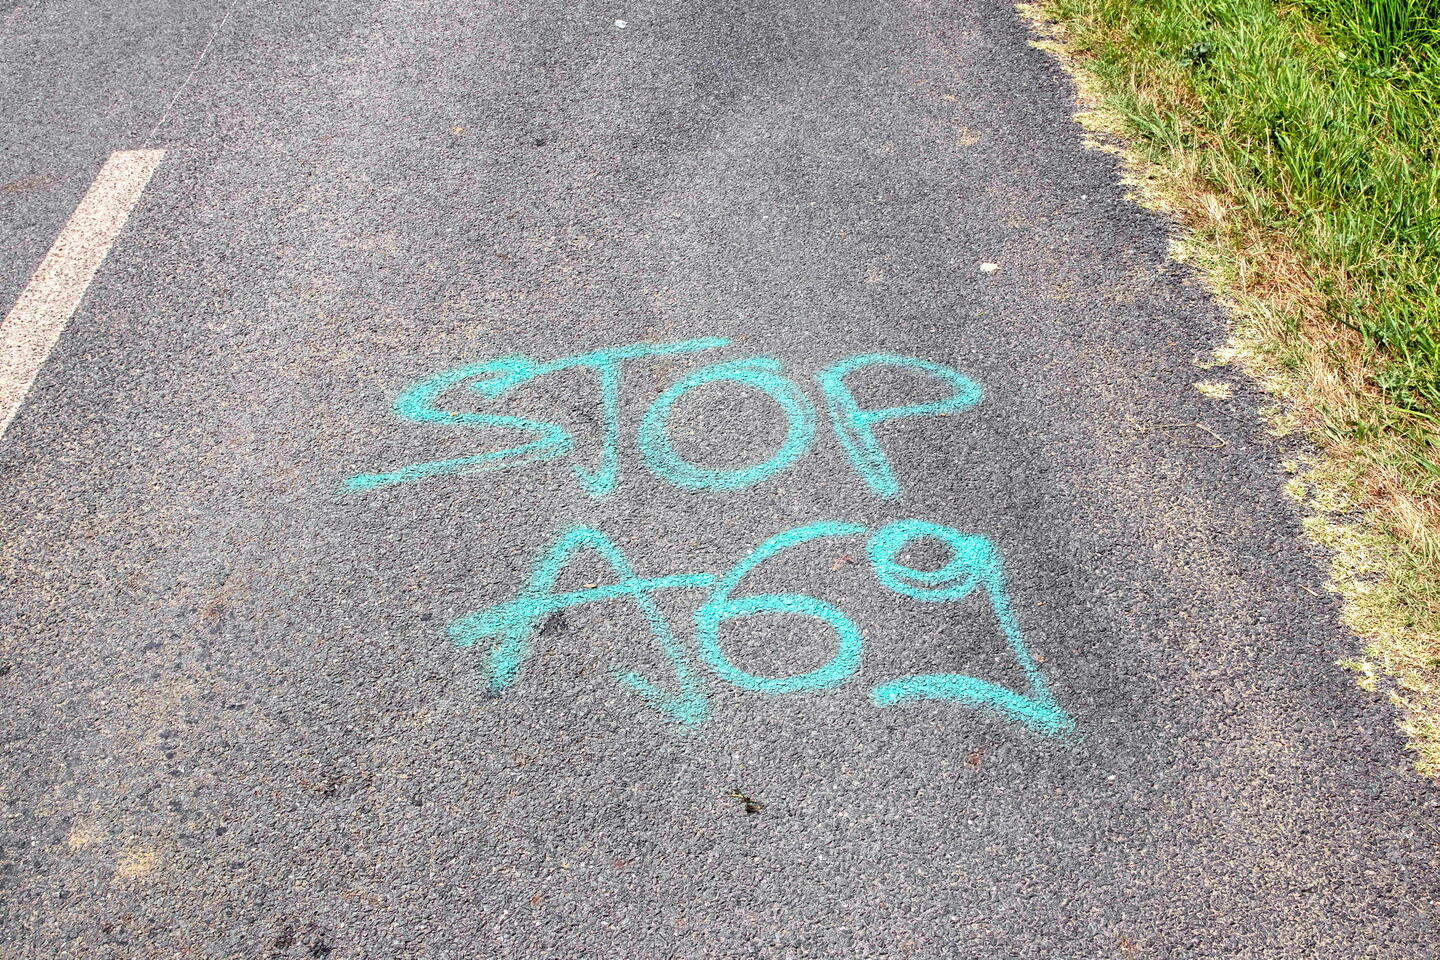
720,607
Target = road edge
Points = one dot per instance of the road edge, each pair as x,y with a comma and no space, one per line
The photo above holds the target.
1368,565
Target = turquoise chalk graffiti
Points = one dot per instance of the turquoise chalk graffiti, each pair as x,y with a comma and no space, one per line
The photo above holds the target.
492,380
720,607
853,426
515,623
762,373
973,563
506,631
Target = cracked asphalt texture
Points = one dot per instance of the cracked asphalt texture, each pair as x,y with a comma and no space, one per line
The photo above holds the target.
233,723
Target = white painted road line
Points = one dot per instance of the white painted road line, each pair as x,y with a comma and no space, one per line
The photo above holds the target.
33,326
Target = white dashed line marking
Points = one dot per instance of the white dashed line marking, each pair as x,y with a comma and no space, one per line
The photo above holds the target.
33,326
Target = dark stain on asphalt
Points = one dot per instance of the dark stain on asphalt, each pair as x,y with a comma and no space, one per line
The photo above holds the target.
751,805
37,181
284,940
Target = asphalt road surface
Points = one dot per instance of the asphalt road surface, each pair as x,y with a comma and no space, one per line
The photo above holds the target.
307,654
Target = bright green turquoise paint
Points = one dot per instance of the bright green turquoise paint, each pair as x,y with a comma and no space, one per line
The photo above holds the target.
492,380
973,561
762,373
515,622
720,607
855,427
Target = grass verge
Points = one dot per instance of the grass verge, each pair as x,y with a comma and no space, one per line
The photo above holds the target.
1297,147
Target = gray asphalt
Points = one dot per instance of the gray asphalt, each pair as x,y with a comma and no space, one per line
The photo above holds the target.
235,724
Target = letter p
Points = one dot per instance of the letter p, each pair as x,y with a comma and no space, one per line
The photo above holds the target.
856,427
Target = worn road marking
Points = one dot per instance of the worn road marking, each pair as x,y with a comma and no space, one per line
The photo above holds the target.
33,326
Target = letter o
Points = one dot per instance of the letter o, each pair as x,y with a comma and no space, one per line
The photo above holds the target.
761,373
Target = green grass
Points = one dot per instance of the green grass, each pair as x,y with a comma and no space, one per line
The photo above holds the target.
1298,146
1386,33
